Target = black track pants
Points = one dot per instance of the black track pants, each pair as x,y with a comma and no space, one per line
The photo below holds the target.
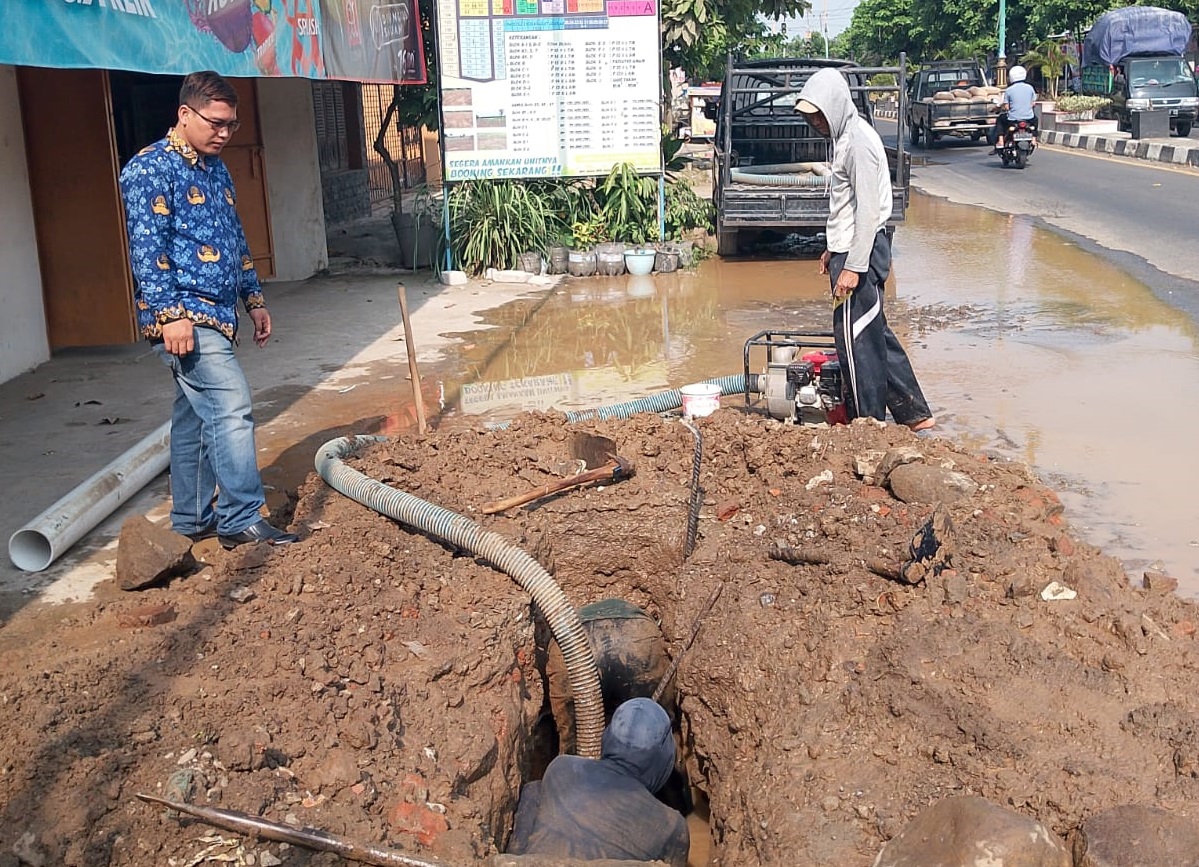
877,373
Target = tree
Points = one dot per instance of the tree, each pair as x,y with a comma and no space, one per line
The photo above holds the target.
698,34
879,31
1049,58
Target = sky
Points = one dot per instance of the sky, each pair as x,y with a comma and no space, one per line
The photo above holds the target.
839,14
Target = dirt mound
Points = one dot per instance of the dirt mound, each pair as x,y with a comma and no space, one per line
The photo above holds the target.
375,683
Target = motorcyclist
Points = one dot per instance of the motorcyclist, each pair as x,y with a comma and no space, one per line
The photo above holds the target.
1017,103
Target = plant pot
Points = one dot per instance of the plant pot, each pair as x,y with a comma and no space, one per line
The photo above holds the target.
557,260
417,236
530,262
580,263
666,261
686,252
609,262
640,261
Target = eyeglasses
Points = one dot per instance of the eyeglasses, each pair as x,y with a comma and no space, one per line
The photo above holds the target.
218,126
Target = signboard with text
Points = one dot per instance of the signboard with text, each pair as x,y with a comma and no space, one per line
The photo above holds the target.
548,88
357,40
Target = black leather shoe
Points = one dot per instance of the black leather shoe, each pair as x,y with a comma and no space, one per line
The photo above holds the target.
201,535
261,531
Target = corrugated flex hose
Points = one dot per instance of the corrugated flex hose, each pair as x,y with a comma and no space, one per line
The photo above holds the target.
662,401
782,175
468,535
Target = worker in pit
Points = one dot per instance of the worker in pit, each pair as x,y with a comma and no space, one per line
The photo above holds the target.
605,809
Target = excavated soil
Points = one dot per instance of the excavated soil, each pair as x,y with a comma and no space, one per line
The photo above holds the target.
372,682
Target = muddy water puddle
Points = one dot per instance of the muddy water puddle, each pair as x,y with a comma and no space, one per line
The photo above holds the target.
1027,346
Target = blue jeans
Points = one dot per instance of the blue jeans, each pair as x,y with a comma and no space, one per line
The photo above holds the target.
212,439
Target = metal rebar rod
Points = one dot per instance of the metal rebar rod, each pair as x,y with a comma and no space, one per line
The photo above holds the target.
695,501
309,838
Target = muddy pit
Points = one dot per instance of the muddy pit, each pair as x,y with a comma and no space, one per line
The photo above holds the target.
372,682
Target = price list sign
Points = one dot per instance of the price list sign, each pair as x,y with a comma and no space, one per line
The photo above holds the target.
549,88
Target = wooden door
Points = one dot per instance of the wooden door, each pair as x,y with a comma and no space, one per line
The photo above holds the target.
243,157
78,217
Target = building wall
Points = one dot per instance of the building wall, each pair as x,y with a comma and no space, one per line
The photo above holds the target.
293,177
347,195
23,342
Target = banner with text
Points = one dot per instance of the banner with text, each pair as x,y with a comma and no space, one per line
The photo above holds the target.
549,88
356,40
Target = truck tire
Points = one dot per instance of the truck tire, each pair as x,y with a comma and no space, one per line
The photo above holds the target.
1183,128
914,135
726,242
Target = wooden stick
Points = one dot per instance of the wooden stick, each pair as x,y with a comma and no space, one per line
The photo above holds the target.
413,373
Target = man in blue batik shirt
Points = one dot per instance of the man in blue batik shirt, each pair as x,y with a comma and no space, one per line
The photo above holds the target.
191,267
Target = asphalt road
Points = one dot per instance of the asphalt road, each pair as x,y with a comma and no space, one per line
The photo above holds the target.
1143,215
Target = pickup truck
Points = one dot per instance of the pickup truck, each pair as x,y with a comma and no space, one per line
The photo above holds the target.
950,98
769,165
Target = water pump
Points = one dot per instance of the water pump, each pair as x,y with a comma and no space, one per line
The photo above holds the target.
802,382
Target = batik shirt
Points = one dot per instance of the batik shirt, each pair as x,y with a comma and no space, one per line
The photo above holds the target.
186,244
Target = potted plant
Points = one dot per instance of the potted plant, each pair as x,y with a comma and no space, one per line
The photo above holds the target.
1076,106
584,236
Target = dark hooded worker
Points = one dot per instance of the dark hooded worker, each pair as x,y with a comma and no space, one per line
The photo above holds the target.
605,809
877,373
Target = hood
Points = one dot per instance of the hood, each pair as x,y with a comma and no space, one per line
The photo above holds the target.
639,741
829,92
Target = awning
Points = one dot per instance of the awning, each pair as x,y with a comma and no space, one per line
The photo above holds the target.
355,40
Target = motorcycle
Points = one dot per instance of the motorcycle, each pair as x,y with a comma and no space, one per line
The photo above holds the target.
1019,141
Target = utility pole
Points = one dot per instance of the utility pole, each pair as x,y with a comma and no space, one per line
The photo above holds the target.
1001,63
824,27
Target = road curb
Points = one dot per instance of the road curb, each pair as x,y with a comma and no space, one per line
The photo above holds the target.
1142,149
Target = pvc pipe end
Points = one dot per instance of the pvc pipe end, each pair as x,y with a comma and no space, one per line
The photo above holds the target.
30,550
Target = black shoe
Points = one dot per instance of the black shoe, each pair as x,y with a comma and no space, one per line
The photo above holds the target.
201,535
261,531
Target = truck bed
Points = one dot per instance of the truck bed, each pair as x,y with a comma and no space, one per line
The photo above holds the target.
758,128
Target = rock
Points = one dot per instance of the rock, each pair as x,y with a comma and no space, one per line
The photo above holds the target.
919,483
825,477
507,276
424,824
28,851
1134,834
266,858
338,770
147,554
866,465
147,616
453,278
1159,581
969,830
896,457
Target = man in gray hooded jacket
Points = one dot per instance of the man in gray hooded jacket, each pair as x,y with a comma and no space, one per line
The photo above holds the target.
605,809
876,370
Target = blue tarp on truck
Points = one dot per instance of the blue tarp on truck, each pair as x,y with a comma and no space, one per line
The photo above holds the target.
1135,30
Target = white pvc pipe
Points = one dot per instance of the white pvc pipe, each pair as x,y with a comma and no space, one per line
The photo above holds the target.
40,542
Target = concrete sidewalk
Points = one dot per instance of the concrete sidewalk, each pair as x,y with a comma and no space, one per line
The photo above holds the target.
336,365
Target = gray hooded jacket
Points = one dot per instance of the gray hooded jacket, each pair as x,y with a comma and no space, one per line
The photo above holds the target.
596,810
860,186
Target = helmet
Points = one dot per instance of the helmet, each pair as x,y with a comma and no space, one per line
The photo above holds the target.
1017,73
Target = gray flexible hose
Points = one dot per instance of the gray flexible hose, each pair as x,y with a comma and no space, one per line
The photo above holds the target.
743,176
464,533
662,401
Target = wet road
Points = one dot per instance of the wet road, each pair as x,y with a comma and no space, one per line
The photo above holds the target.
1092,388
